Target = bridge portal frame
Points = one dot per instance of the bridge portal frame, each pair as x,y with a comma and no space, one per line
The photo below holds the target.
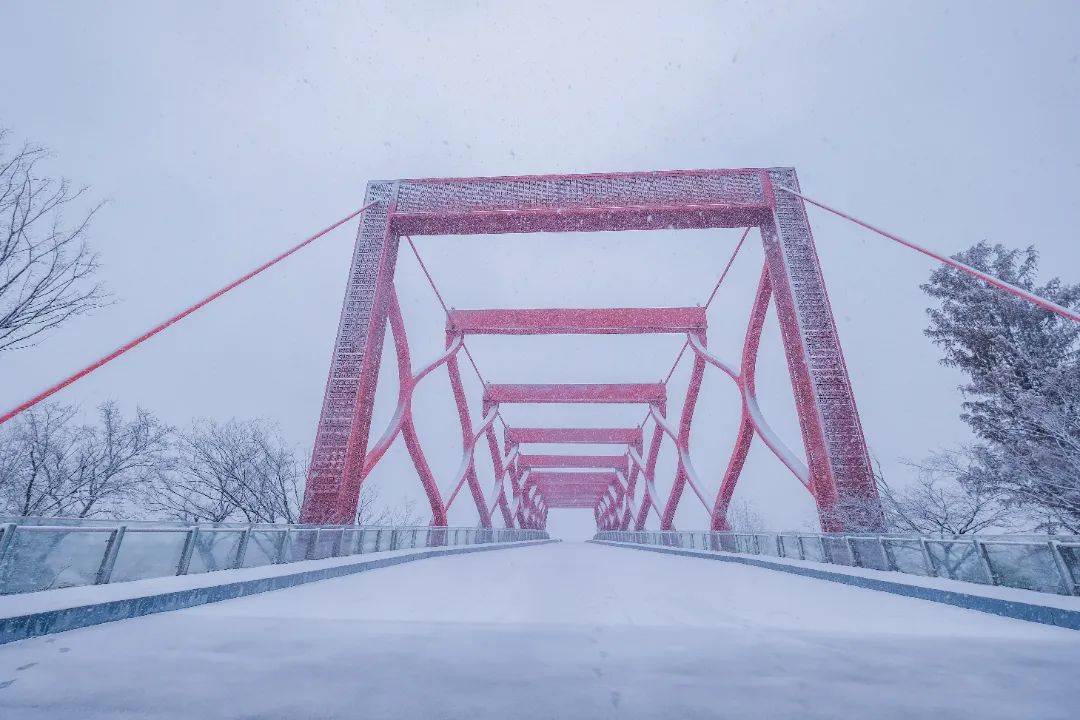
838,474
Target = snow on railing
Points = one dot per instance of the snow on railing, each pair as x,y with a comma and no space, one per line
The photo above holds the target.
45,554
1045,563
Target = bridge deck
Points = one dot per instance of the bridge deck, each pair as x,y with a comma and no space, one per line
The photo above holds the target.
564,631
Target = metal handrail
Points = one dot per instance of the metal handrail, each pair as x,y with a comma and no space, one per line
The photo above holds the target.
36,555
1047,563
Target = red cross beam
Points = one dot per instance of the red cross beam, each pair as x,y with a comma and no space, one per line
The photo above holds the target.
578,462
575,436
646,393
573,489
578,321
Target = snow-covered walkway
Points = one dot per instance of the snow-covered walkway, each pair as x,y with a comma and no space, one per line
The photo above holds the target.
554,631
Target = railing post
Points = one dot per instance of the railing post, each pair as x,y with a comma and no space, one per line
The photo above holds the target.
108,560
393,539
890,561
241,548
928,558
283,548
7,542
802,547
852,551
1067,580
984,559
189,548
339,543
779,546
313,548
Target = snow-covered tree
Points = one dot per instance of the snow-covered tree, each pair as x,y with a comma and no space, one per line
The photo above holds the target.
1022,396
46,267
956,492
240,470
52,465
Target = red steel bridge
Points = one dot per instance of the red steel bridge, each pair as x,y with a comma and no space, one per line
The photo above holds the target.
550,629
620,488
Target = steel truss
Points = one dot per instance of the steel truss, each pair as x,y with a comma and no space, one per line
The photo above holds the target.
620,488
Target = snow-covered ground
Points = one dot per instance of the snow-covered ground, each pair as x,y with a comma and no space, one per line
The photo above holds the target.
553,631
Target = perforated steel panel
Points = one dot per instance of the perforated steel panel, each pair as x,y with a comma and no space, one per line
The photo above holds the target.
341,410
554,203
580,191
836,448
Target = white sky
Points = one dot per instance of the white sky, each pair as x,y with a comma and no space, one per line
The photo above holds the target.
223,134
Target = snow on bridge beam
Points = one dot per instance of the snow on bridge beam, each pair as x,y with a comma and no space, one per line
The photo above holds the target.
567,479
577,436
645,393
583,203
578,321
572,489
613,462
572,503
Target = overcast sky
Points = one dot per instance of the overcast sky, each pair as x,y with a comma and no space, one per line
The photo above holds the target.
222,133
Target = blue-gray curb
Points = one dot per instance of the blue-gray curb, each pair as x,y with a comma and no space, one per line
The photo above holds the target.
48,622
1030,612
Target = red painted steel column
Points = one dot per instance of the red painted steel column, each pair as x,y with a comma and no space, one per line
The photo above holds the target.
697,373
408,428
631,479
337,459
650,470
467,435
841,474
751,342
496,462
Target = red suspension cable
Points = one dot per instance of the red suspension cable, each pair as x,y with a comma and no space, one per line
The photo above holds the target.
174,319
446,309
727,267
956,264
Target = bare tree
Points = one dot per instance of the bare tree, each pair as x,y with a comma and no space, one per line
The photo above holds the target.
744,518
52,466
371,510
951,496
238,470
46,266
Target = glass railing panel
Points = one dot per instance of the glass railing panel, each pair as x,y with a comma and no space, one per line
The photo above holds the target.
437,537
384,539
727,542
370,540
837,550
1024,565
813,548
790,543
326,543
958,559
214,550
870,554
908,556
766,543
50,559
301,544
1070,556
145,554
263,547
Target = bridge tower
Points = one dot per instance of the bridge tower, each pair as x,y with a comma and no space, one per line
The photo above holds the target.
837,470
